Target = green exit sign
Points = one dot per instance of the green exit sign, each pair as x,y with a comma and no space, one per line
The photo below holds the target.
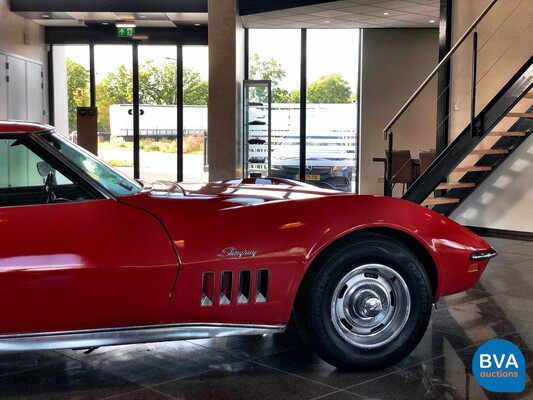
125,32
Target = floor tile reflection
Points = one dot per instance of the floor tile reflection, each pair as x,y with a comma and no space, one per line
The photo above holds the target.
245,380
154,363
252,347
65,380
427,381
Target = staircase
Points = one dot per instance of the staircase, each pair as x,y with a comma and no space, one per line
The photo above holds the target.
480,148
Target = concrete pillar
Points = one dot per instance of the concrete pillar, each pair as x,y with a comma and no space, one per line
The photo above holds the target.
226,72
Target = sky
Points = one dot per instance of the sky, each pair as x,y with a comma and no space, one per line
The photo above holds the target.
108,57
329,51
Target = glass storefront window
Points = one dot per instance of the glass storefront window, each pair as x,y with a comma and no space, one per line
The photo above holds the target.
332,73
114,99
280,65
71,86
331,112
195,93
158,113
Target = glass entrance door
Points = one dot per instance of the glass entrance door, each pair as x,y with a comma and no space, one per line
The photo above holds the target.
114,99
158,113
166,139
195,91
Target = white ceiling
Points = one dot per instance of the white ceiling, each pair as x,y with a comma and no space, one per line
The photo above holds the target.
147,19
351,14
335,14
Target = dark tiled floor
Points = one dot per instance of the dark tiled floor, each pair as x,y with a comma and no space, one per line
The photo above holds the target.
281,367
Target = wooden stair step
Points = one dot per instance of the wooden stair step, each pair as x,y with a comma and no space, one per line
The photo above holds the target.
472,169
433,201
519,115
491,151
507,133
455,185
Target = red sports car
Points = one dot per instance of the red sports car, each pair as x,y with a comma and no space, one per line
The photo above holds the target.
91,258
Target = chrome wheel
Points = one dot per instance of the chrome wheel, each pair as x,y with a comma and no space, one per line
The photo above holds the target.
370,305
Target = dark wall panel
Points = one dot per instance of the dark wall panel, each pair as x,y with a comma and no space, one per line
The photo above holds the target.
108,35
199,6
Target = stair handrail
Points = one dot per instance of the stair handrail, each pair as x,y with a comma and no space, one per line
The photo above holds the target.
437,68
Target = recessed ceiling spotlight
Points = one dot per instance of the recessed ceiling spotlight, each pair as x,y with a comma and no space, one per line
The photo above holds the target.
385,13
431,21
105,23
142,16
45,15
197,24
326,21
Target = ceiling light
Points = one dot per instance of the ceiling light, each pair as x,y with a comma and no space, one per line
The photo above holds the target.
326,21
142,16
105,23
197,24
431,21
125,25
385,13
45,15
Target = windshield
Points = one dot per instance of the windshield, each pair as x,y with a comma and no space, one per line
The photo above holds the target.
113,181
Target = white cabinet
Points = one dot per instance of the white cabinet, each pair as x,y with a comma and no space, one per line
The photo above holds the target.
21,89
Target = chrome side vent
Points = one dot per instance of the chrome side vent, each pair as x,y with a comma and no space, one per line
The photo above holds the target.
208,288
261,293
226,287
245,282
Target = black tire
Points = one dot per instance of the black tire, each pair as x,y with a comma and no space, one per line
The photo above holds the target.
345,312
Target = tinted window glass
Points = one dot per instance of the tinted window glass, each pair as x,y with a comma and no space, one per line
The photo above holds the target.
26,179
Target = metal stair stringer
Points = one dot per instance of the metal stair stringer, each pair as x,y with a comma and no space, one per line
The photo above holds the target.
517,88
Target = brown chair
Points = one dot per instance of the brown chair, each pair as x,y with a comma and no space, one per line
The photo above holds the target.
402,168
426,158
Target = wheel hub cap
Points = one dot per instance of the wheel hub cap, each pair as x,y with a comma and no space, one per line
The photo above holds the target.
367,303
370,305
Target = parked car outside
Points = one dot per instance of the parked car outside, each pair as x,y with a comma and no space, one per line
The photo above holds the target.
329,161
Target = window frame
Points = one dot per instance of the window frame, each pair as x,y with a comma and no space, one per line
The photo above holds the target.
35,143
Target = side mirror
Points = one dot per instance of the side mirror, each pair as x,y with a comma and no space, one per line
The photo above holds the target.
44,168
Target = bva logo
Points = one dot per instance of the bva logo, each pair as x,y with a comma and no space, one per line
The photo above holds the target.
499,366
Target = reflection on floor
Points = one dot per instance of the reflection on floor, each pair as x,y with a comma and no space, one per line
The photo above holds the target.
280,367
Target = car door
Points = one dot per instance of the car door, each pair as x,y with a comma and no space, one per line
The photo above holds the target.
78,262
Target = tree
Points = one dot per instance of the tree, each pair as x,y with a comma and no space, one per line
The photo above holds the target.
78,90
268,69
195,90
329,89
157,84
115,88
295,96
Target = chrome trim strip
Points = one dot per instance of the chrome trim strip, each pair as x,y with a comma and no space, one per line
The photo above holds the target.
129,335
483,254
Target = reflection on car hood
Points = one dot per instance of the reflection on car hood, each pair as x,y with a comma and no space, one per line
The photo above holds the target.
257,190
241,191
163,188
